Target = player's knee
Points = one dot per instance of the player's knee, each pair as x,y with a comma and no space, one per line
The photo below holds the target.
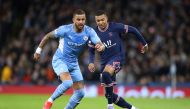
68,83
106,78
80,93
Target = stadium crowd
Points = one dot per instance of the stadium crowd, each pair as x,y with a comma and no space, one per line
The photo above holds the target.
164,23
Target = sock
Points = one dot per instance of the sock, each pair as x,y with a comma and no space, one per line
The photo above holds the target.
75,99
108,88
60,90
109,94
119,101
50,100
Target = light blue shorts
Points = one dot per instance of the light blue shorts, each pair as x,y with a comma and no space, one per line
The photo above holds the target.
61,66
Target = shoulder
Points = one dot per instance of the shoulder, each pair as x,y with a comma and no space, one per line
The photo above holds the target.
115,24
88,29
65,27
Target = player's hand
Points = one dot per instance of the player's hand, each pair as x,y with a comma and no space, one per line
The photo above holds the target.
99,47
144,49
91,67
36,56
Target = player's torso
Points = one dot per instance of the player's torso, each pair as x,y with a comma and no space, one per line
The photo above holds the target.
73,43
112,41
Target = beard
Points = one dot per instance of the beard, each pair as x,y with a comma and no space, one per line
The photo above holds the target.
79,27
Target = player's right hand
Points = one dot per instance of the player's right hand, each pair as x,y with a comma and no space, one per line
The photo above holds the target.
91,67
99,47
36,56
144,49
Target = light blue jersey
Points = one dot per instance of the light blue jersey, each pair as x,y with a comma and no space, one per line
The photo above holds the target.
71,44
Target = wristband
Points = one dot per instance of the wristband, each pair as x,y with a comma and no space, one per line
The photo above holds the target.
145,45
38,50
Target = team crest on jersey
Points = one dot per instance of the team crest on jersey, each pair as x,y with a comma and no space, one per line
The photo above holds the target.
110,34
85,38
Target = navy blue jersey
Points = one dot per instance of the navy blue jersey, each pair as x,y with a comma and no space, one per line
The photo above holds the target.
111,38
112,41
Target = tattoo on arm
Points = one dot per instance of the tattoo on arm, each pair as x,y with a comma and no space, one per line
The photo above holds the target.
46,39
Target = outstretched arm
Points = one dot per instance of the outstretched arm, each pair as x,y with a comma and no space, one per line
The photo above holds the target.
91,49
45,39
133,30
91,65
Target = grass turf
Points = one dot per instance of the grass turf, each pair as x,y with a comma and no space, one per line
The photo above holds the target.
36,102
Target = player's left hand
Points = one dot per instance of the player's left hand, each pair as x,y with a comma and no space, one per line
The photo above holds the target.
144,49
91,67
99,47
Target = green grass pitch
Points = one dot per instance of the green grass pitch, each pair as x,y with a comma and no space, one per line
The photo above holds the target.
36,102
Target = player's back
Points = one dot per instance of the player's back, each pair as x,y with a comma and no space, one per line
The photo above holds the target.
112,40
71,43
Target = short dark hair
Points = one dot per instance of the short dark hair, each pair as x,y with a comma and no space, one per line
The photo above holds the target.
100,12
79,12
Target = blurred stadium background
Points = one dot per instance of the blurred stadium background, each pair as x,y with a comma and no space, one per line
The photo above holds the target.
164,72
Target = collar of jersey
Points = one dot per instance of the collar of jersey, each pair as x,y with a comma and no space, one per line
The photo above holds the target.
104,29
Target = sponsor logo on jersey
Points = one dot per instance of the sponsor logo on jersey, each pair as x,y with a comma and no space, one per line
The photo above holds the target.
109,44
73,44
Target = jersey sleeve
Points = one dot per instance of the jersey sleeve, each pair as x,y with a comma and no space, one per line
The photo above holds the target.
121,28
60,31
137,34
91,50
93,36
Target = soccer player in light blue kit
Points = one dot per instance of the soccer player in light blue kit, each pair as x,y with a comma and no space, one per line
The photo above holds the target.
73,38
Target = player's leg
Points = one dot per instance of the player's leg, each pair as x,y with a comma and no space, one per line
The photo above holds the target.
64,86
78,87
119,101
77,95
61,70
106,79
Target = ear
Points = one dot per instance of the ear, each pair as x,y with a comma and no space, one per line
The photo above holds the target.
73,19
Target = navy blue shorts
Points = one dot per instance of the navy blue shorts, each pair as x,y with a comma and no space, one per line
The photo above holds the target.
116,62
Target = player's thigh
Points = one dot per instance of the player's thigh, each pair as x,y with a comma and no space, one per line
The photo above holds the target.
110,69
65,76
60,68
113,66
77,78
76,74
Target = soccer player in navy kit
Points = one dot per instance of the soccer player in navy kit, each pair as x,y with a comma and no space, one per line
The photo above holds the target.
113,56
72,39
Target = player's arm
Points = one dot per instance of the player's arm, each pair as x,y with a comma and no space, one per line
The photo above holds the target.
45,39
57,33
99,46
133,30
91,50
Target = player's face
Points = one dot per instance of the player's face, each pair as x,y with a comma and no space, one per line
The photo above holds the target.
79,21
101,21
